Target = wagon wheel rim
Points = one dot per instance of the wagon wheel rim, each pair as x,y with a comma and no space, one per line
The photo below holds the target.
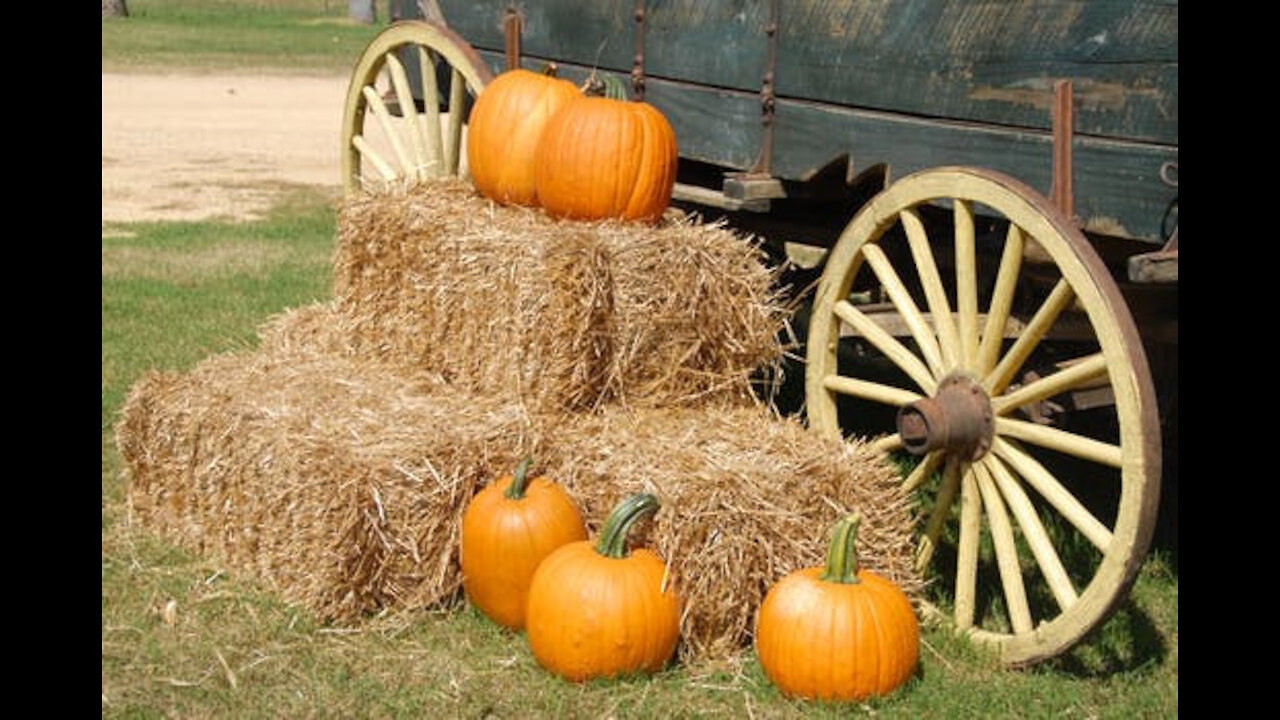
958,398
385,148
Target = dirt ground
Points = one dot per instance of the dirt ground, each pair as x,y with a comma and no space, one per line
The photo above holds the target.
191,147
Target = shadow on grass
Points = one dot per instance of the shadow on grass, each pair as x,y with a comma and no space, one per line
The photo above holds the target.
1128,641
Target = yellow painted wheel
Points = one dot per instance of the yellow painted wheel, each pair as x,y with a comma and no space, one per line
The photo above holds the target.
972,305
392,137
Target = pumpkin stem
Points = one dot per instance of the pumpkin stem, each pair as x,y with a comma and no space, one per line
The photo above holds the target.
842,556
550,69
613,537
519,481
604,85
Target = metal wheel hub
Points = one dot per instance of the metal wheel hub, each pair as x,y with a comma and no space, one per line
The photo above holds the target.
957,419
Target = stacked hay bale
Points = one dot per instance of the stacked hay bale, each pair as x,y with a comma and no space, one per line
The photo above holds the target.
334,461
330,480
566,316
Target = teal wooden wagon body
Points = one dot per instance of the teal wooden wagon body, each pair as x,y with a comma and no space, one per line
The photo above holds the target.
810,89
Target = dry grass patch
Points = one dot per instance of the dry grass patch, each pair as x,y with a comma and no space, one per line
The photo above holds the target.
186,265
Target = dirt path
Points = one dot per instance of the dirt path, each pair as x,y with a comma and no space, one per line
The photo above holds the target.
189,147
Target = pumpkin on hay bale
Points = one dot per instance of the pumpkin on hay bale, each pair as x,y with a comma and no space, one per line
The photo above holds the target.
335,461
747,497
343,486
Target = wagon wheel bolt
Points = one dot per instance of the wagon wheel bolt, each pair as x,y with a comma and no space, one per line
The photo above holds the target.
957,419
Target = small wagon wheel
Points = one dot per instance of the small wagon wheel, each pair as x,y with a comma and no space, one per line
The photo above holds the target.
409,142
988,481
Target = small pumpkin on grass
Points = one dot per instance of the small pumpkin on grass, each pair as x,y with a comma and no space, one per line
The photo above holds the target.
505,128
508,528
597,611
604,156
837,632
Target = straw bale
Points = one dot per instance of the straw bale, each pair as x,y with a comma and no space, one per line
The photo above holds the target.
334,461
336,483
342,485
569,315
747,497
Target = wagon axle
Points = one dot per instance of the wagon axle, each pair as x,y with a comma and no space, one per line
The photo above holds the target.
957,419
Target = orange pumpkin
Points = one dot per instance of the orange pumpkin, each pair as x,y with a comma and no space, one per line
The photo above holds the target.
507,530
596,611
607,157
837,633
504,130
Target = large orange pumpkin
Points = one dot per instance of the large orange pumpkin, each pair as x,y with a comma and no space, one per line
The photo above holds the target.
837,633
603,156
596,611
508,528
505,128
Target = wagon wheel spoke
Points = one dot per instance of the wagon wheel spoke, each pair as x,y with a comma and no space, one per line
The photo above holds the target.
1033,530
1052,490
408,142
966,582
921,473
887,443
876,392
1080,446
384,168
1076,374
887,344
1003,374
966,282
391,130
938,517
1001,299
1034,527
906,306
931,281
1015,592
412,125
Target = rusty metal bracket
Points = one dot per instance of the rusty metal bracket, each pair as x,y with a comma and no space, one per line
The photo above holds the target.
512,27
637,68
1169,176
752,190
768,93
1062,193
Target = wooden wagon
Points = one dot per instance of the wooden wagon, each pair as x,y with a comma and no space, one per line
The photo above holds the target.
984,195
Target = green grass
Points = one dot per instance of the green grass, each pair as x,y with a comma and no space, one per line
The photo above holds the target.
305,36
183,637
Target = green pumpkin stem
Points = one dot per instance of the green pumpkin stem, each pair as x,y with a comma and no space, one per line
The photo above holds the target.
516,490
551,69
613,538
842,556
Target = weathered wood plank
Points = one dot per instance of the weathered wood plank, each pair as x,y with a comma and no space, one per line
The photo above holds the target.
984,61
990,61
1117,184
712,43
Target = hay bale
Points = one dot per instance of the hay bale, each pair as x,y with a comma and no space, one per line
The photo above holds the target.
747,498
568,315
335,461
342,485
336,483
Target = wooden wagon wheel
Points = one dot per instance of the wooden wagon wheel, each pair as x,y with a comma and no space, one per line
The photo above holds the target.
409,142
960,339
